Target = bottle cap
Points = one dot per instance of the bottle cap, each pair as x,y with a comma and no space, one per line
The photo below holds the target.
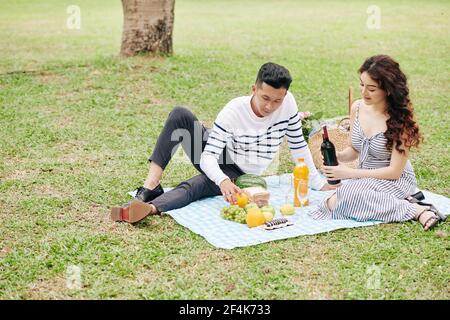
325,132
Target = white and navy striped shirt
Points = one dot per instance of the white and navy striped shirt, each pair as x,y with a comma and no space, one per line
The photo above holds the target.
253,142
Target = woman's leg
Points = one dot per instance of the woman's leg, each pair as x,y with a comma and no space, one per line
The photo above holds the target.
366,199
331,202
424,216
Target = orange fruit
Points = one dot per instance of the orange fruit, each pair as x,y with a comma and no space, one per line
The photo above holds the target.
241,199
268,216
254,217
287,209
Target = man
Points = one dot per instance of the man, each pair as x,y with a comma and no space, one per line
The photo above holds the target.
245,138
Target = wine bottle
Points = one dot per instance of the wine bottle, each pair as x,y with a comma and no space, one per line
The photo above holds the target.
329,153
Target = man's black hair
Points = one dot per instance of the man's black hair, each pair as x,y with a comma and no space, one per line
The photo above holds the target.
274,75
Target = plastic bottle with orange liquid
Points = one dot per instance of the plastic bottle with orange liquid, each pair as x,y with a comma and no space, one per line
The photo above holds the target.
301,183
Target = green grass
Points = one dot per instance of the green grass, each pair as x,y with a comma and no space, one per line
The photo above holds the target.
77,124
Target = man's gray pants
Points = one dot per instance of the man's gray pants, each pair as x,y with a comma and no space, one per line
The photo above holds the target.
182,126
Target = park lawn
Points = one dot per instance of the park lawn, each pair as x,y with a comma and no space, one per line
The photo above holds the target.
77,124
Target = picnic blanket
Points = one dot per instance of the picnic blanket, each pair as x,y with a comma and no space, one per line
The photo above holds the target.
203,217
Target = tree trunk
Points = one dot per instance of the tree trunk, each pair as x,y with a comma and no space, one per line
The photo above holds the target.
147,26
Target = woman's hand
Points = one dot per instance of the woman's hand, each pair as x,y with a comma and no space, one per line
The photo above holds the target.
229,190
337,172
321,159
338,157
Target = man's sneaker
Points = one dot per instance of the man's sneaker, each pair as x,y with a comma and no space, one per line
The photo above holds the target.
146,195
132,212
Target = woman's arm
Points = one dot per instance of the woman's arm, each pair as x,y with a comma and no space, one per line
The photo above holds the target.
392,172
347,155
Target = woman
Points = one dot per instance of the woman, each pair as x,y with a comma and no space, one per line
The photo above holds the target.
382,132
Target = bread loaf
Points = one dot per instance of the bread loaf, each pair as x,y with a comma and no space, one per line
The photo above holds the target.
258,195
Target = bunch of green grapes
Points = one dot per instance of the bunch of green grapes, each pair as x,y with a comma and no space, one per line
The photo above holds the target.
234,213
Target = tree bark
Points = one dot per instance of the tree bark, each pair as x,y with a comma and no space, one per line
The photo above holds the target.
147,26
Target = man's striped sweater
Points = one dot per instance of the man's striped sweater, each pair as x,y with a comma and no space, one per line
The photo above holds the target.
252,142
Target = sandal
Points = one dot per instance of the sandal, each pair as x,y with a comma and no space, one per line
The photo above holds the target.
436,219
442,217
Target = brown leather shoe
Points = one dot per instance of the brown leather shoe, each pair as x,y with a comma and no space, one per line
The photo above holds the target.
132,212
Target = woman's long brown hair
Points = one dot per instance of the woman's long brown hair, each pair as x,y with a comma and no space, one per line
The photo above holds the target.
401,125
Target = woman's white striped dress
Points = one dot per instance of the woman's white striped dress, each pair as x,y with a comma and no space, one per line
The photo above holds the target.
368,198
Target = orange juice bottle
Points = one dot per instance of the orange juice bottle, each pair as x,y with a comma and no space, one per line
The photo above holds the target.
301,183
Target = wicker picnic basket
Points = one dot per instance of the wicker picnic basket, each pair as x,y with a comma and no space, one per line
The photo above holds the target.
339,135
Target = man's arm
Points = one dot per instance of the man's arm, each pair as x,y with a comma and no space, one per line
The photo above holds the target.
299,149
215,145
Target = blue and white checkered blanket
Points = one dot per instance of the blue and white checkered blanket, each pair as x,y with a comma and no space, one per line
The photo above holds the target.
203,218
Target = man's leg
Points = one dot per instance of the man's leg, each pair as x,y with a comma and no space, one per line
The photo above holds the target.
186,192
154,176
181,126
192,190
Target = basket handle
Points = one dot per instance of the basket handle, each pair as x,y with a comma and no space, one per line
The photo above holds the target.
350,98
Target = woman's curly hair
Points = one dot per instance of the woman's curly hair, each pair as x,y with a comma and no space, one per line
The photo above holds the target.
401,125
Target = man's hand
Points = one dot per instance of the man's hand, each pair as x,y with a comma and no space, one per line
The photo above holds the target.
328,187
229,189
